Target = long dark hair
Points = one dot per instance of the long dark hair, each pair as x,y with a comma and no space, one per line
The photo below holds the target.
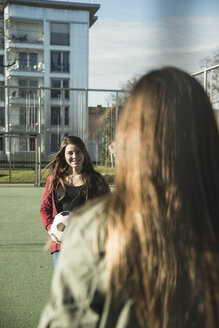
163,227
58,166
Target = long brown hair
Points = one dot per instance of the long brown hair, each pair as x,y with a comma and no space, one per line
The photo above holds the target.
58,166
163,227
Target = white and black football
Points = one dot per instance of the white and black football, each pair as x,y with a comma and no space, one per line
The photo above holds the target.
59,225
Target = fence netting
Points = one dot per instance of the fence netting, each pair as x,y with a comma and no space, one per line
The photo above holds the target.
34,120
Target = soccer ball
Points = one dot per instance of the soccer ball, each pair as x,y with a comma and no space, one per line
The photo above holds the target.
59,225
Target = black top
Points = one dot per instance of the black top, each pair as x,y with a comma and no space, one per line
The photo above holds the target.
74,198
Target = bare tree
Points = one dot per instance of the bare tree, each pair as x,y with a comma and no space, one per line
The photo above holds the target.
116,102
210,60
126,88
212,75
12,58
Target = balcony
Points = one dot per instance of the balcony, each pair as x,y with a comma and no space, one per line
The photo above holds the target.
23,32
27,96
39,67
25,38
21,128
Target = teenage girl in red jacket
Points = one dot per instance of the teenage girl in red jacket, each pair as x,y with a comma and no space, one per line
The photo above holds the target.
71,183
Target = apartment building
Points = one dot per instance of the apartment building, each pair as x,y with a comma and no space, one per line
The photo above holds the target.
45,49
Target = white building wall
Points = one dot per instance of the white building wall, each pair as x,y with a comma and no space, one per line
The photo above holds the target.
78,60
32,13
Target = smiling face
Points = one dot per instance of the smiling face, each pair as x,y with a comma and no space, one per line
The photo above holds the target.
74,157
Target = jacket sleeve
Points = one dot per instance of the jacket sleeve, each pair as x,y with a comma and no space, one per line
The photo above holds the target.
46,208
77,295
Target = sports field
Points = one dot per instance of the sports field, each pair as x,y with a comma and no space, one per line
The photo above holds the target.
25,267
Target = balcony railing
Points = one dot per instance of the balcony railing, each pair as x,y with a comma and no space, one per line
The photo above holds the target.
26,38
34,68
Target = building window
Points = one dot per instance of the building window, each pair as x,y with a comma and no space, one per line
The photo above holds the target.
66,115
55,143
22,116
32,144
28,115
55,116
2,116
56,94
1,144
2,91
1,64
22,60
22,144
27,144
27,61
25,88
59,34
33,115
59,61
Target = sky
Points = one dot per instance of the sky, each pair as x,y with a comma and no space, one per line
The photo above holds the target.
132,37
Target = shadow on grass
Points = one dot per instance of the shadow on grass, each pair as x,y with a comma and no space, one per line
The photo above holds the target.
22,247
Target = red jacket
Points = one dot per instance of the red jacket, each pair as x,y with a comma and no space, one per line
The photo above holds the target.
48,211
48,208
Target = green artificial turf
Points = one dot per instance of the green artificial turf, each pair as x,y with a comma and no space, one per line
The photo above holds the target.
25,267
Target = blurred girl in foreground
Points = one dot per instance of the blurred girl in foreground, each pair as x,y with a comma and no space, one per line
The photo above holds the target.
147,256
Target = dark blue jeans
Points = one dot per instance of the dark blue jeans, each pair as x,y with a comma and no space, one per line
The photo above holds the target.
55,258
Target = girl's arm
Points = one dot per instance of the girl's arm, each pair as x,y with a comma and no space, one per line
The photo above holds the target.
46,208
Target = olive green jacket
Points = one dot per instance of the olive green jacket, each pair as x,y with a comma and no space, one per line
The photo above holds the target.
78,297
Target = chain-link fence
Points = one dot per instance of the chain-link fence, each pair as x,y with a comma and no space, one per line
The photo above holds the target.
20,163
33,122
209,79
